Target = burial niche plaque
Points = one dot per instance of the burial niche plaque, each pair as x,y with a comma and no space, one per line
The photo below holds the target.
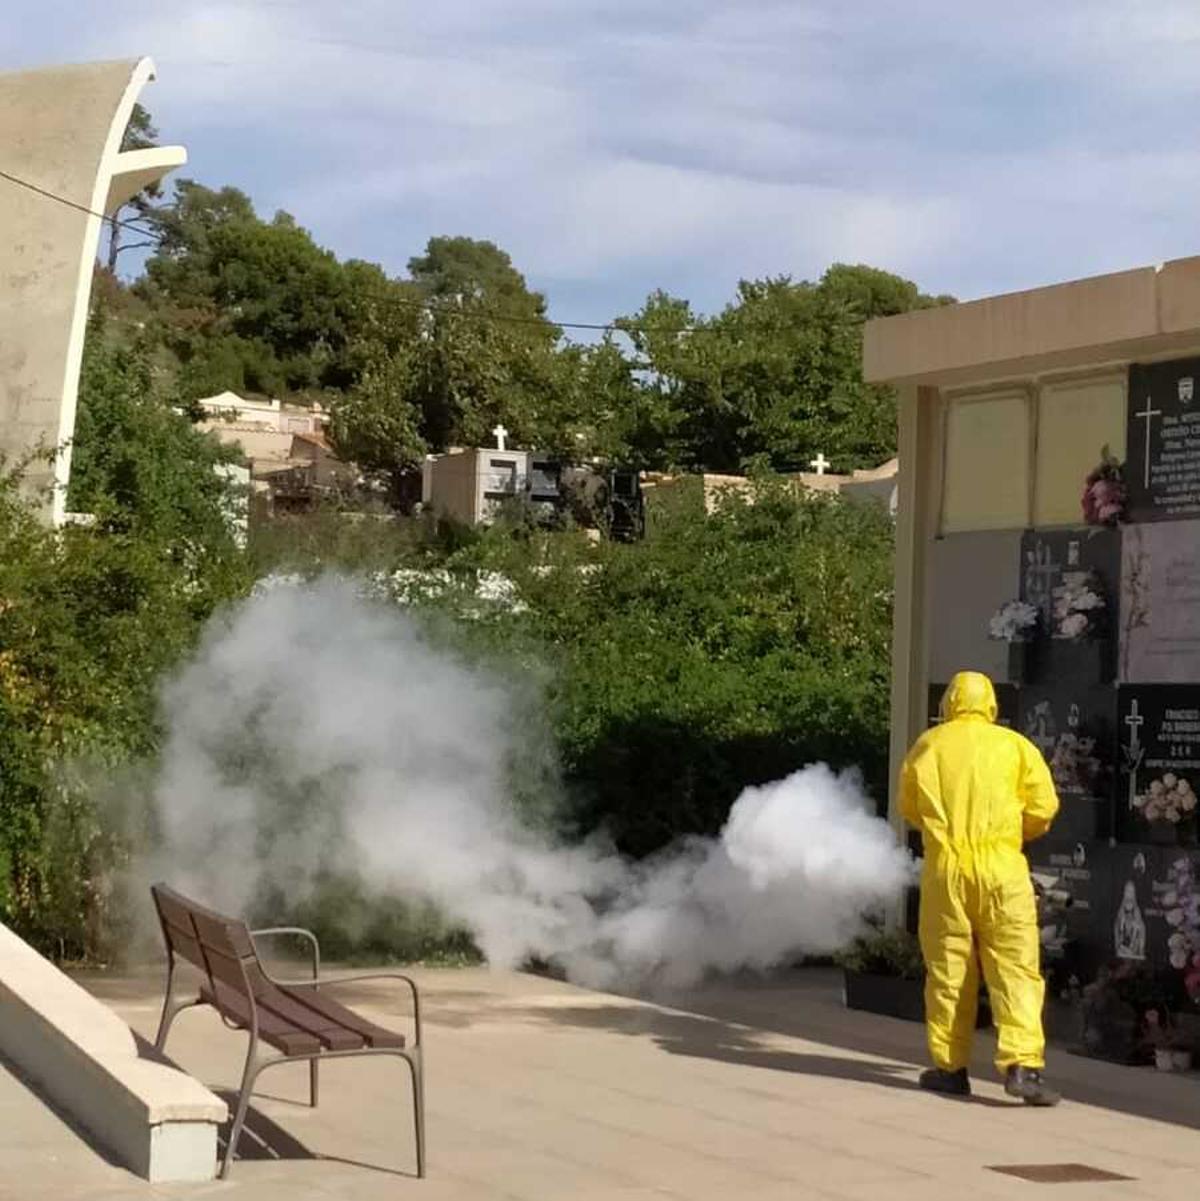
1159,733
1073,727
1160,604
1163,464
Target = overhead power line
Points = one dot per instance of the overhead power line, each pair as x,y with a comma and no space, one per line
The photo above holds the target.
428,306
79,208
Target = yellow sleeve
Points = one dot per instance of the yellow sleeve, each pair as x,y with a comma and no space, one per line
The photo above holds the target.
1039,800
909,793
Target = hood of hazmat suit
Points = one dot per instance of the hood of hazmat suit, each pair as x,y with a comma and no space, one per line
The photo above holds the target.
977,792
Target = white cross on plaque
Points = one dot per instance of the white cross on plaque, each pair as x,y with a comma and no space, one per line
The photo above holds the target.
1149,415
1134,721
820,464
501,433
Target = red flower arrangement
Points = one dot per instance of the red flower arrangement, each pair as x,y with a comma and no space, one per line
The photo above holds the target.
1104,492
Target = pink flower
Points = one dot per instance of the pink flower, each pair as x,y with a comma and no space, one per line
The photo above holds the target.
1103,496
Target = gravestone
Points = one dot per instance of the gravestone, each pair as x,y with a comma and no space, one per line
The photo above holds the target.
1073,726
1085,871
1163,464
1160,603
1159,732
1063,574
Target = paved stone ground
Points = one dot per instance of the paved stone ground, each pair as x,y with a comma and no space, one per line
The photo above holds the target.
541,1092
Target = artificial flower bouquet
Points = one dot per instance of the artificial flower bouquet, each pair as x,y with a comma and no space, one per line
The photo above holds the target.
1014,621
1078,604
1105,495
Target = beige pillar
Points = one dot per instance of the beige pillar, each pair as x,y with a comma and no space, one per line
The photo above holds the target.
916,525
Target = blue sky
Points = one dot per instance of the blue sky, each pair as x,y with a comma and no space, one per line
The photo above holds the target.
614,146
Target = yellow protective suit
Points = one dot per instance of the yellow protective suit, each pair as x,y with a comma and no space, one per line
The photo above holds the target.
977,792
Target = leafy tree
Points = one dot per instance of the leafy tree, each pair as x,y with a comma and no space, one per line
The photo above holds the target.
90,619
247,304
776,376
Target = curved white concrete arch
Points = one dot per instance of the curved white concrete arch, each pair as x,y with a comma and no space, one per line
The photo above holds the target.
60,131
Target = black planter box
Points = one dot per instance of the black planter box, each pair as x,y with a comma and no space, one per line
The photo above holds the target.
894,997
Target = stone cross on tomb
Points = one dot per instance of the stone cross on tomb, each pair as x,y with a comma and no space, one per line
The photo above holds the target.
501,433
1149,414
820,464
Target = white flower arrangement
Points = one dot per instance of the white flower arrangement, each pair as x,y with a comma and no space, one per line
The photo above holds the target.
1014,621
1170,799
1077,603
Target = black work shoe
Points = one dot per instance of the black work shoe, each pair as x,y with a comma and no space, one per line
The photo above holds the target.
951,1084
1028,1085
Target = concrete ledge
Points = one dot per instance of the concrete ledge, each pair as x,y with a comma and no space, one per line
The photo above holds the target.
1107,318
154,1119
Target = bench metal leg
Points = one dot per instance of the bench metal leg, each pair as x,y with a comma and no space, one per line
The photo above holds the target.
416,1068
312,1082
249,1075
170,1011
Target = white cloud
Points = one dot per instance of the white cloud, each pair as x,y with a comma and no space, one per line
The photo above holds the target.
613,146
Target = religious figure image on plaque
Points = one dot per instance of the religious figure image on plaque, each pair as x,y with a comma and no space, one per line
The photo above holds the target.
1163,439
1129,929
1160,764
1160,604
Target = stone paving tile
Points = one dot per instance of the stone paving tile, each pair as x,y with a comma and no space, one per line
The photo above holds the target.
541,1092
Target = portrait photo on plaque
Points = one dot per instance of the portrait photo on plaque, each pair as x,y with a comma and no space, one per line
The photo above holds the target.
1160,603
1158,764
1162,466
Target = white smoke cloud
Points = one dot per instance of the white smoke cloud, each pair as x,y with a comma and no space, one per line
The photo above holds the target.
318,731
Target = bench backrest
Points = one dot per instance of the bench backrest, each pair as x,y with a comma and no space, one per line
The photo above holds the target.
220,946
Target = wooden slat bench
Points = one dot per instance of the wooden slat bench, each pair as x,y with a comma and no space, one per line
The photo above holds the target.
296,1017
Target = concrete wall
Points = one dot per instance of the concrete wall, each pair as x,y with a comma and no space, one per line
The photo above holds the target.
157,1121
454,486
61,131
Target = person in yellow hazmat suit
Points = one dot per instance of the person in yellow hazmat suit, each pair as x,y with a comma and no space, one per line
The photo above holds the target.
977,792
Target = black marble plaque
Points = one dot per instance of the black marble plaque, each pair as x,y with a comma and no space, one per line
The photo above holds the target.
1158,728
1162,468
1084,871
1074,728
1175,921
1073,578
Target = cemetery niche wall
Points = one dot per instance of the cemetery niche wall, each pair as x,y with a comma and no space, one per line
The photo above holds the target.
1092,633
